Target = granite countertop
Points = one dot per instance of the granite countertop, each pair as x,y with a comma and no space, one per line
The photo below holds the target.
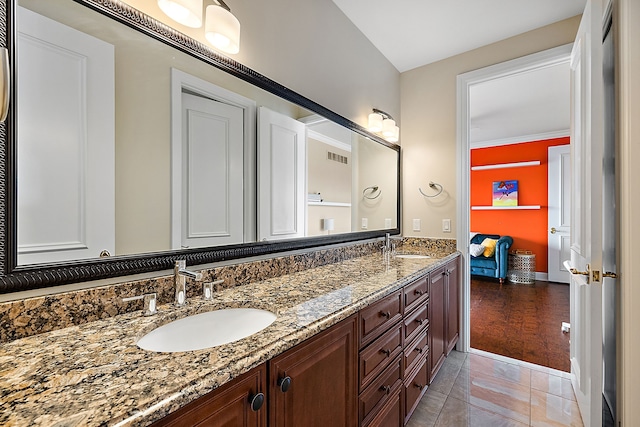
94,374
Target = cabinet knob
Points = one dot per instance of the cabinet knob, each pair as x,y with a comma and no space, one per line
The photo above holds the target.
386,388
420,321
418,292
387,352
420,386
419,350
385,314
256,402
284,384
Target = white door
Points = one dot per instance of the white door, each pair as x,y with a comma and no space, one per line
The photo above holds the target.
559,212
281,176
65,139
587,134
212,173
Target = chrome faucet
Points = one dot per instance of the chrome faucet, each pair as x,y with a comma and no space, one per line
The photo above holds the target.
180,274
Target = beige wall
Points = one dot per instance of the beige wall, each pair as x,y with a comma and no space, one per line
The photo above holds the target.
311,47
333,181
428,128
627,16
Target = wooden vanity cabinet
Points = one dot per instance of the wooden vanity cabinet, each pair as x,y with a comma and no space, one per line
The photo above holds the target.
443,314
452,285
239,403
316,382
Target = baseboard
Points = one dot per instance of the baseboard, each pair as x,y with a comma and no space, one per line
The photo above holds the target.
542,276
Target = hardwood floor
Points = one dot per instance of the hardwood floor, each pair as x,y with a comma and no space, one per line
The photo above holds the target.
521,321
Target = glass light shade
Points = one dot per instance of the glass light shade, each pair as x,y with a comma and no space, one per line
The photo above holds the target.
185,12
375,122
396,135
222,29
388,126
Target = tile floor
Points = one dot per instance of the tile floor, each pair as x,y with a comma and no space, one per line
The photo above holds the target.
482,389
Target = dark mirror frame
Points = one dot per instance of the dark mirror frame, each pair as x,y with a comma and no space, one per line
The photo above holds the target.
15,278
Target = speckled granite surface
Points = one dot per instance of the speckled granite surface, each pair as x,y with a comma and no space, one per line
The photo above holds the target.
94,374
27,317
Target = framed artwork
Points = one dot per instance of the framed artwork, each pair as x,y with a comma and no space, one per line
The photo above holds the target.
505,193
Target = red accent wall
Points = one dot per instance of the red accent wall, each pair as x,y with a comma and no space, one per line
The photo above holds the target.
527,227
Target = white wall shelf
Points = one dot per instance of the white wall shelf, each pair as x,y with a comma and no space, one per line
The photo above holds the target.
339,204
493,208
506,165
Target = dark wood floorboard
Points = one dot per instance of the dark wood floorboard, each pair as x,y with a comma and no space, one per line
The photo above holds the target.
521,321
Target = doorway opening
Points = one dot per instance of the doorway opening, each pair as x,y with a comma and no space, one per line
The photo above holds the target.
488,156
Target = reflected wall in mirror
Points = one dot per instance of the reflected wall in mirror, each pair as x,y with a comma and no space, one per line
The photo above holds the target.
141,148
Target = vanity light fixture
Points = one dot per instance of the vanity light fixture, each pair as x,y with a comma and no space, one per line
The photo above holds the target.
381,122
221,27
185,12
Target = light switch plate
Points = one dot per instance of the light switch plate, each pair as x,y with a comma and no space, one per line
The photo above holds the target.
416,224
365,223
387,223
446,225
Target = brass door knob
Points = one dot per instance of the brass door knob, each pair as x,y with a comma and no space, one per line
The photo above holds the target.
553,230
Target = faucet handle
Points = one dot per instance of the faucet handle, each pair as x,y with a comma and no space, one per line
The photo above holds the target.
207,289
150,302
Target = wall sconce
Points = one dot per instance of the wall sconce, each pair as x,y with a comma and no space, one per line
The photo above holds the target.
222,28
381,122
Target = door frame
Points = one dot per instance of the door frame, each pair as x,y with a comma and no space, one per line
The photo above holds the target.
179,82
547,58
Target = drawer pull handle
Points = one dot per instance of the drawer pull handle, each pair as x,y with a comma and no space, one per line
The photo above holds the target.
385,314
420,386
256,402
284,384
387,352
419,350
418,292
420,321
386,388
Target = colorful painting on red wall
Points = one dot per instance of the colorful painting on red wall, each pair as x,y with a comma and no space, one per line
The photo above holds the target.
505,193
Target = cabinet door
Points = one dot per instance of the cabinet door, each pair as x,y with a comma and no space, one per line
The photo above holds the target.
316,382
453,305
227,406
437,323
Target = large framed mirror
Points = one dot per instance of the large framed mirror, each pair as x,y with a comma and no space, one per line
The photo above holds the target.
129,145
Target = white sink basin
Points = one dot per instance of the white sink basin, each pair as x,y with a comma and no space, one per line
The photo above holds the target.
206,330
412,256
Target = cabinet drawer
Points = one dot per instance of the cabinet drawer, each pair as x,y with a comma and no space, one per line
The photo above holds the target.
379,317
414,389
392,413
377,393
415,322
377,355
416,351
415,293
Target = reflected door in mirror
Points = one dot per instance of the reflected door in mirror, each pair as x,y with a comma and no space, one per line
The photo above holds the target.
65,142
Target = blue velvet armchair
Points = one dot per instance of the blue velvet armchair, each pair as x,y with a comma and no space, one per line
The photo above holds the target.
495,266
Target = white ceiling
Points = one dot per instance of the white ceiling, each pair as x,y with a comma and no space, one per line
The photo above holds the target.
412,33
524,107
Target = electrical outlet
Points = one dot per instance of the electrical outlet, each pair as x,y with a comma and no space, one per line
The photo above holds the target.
416,224
387,223
446,225
365,223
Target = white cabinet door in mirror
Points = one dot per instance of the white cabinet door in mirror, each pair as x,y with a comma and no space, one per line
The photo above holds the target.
281,176
65,140
212,172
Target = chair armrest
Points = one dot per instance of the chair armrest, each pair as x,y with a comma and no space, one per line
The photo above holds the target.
502,254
